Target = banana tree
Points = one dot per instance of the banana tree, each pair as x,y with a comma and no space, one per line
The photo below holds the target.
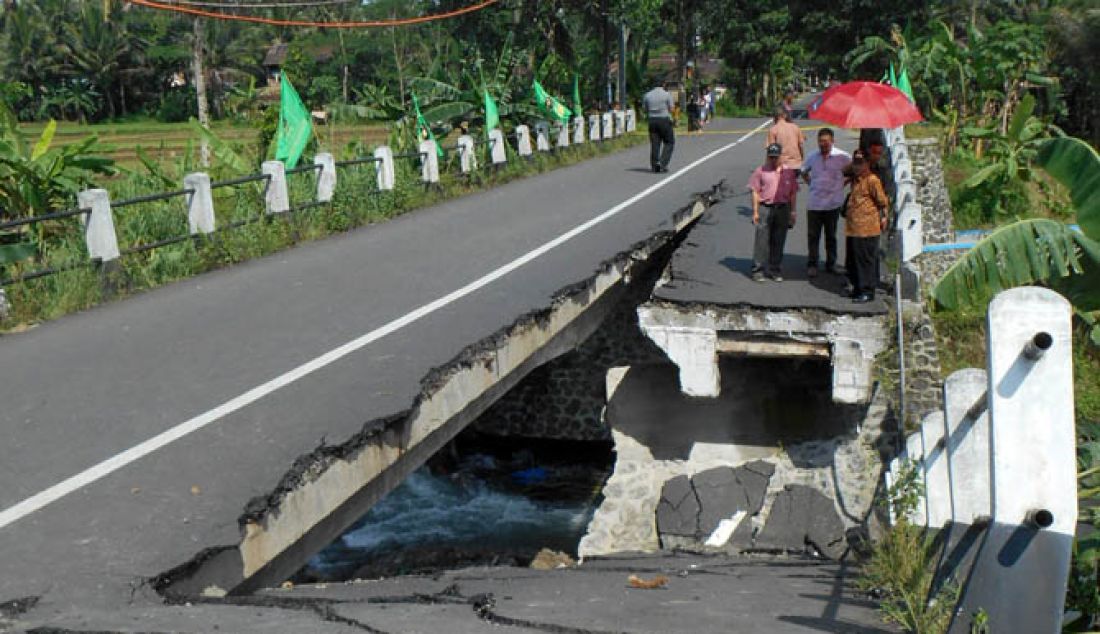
1041,251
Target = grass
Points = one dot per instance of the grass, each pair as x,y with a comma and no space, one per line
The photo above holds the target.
357,202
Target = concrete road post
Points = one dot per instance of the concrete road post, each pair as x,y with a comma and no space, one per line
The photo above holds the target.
523,140
467,160
936,475
200,203
542,136
563,135
498,147
276,197
967,423
429,162
911,228
607,126
593,127
326,177
383,168
99,225
631,120
578,130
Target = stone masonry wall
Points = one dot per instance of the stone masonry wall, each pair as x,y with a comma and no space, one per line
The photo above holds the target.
936,217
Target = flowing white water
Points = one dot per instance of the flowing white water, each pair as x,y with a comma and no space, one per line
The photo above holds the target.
461,511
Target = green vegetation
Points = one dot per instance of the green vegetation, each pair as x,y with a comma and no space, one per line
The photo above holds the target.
902,566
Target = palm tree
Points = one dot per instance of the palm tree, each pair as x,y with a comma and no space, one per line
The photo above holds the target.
103,52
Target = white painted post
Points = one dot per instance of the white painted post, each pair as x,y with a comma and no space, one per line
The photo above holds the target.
383,168
276,198
607,127
578,130
967,444
200,203
899,153
467,161
631,120
620,123
911,227
542,136
563,135
429,162
1024,563
851,371
1031,406
523,140
903,171
498,148
593,127
99,225
326,177
936,477
695,353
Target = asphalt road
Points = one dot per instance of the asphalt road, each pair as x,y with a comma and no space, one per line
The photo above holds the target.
80,395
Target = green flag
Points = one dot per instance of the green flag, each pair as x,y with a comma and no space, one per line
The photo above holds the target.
903,84
893,77
423,130
492,115
294,125
552,106
578,109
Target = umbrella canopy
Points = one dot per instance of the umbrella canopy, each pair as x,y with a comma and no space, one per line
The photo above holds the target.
864,104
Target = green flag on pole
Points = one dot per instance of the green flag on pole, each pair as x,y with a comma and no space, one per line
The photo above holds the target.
578,109
492,115
547,102
294,125
893,77
903,84
423,130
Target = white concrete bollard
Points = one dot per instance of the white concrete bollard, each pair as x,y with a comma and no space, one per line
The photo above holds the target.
578,130
498,150
326,177
911,228
906,193
936,477
429,162
620,123
593,127
607,126
631,120
383,168
200,203
903,171
900,152
276,198
563,135
968,444
523,140
542,136
99,225
467,160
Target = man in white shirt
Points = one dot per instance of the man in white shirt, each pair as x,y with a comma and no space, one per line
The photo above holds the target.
824,171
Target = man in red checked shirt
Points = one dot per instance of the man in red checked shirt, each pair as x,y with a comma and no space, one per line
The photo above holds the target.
775,188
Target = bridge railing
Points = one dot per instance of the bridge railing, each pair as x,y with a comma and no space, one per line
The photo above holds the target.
998,465
99,216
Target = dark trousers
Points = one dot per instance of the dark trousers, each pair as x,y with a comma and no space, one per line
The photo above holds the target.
771,236
862,264
660,133
816,221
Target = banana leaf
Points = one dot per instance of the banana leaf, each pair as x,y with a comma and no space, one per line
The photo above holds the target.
1075,164
1026,252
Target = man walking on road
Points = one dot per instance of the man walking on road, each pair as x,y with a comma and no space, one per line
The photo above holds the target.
824,172
658,106
775,187
866,220
788,136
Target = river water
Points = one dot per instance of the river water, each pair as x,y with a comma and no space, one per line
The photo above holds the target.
495,503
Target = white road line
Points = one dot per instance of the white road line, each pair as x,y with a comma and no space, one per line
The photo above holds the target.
61,489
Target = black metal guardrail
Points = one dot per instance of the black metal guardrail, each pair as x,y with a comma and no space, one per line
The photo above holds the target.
51,270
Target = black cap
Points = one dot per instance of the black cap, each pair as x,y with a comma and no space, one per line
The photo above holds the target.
774,149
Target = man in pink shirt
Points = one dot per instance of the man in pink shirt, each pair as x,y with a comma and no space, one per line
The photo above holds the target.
774,187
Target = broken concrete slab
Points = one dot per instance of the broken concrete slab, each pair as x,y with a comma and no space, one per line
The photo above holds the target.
679,508
802,517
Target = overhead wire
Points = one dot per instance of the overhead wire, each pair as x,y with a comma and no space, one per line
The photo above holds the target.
358,24
257,5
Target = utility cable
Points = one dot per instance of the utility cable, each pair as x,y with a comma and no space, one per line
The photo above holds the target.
365,24
256,5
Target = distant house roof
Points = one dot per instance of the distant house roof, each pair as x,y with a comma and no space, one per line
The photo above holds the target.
276,54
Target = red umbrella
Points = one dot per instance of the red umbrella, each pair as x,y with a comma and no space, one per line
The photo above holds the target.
864,104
